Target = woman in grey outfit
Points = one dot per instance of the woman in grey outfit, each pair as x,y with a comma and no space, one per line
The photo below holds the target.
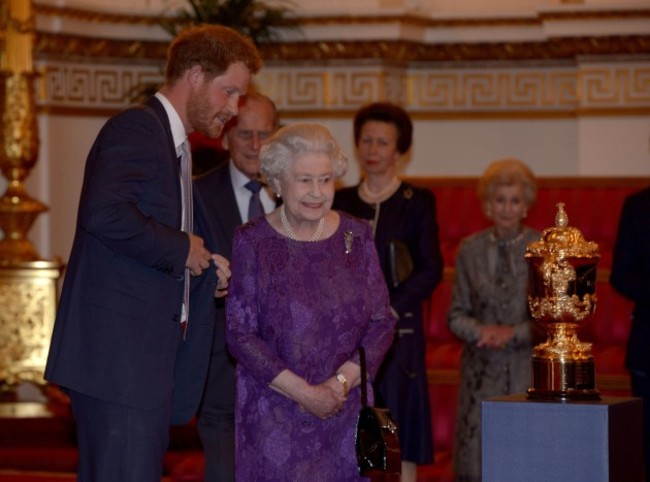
489,308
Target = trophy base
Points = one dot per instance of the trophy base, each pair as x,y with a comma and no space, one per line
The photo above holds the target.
563,396
563,380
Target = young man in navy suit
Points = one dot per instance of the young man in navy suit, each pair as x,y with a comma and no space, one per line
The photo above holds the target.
224,194
128,346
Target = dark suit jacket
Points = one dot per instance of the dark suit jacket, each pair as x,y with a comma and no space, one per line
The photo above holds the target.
193,358
116,333
218,197
631,274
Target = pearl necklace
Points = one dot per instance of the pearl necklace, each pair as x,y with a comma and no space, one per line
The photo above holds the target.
377,197
287,227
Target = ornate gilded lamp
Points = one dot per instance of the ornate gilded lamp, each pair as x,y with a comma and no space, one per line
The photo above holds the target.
562,297
27,283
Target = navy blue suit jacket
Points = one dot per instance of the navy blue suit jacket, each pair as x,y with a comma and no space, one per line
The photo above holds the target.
631,274
218,197
193,357
116,334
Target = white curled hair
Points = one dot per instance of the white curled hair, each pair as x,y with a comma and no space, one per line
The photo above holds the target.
290,142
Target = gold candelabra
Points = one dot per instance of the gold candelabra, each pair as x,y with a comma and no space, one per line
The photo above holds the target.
27,283
19,140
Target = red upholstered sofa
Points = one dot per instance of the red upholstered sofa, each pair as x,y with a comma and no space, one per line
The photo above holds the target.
593,206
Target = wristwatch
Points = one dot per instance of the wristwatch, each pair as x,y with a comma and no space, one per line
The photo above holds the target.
343,381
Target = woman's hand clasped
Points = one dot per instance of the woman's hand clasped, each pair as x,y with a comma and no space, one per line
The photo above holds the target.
495,337
324,400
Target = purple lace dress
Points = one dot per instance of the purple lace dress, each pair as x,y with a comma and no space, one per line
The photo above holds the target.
307,307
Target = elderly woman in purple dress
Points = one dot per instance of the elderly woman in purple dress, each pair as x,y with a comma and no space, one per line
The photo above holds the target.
306,292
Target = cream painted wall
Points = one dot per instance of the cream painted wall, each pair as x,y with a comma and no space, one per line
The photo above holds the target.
552,147
614,146
56,180
465,147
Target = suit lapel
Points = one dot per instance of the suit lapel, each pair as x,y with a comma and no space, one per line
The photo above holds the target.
159,110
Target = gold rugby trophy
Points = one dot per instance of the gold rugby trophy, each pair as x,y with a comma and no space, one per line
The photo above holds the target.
562,296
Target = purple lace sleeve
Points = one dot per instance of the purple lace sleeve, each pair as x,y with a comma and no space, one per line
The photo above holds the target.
242,329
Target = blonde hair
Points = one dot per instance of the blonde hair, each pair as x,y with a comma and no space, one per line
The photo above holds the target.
507,172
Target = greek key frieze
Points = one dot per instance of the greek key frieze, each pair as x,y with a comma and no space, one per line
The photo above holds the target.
618,86
542,89
493,89
108,86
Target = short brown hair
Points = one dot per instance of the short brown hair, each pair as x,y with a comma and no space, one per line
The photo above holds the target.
391,114
214,48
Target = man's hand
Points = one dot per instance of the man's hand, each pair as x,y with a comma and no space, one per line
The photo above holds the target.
223,275
198,258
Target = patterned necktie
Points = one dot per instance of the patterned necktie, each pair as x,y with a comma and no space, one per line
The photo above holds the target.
187,221
255,206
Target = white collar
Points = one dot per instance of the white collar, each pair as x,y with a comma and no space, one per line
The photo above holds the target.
237,178
175,123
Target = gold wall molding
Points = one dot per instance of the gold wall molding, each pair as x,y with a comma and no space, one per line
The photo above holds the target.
400,52
85,86
80,48
611,87
460,21
546,91
557,76
336,88
408,52
552,89
93,16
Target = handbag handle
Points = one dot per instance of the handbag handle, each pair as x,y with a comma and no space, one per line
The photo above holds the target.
364,389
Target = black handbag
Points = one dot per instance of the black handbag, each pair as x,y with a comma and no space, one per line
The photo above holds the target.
377,444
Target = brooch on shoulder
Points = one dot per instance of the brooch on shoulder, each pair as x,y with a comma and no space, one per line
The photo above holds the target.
347,239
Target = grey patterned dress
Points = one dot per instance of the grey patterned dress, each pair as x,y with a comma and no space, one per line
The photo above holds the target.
490,289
